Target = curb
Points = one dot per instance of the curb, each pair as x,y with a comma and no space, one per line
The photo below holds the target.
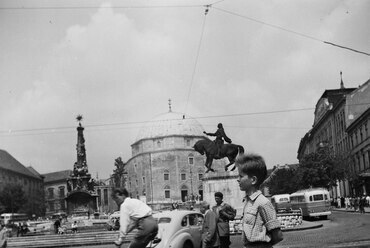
302,228
349,211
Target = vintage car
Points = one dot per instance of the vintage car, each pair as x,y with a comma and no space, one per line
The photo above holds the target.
178,229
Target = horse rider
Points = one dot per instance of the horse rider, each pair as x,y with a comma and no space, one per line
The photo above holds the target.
220,137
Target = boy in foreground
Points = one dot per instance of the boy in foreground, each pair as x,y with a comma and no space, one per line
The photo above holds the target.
261,228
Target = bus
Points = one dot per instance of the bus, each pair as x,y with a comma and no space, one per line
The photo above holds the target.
9,218
314,202
281,202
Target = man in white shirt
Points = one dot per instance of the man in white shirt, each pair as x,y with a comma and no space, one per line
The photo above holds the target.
134,214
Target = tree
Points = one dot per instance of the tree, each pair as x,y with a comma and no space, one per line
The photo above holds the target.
118,173
322,169
35,204
282,181
13,198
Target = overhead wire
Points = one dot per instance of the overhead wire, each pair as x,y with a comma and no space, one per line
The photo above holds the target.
291,31
39,131
196,58
57,129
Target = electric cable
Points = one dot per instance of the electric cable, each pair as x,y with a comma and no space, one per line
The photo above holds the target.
196,57
291,31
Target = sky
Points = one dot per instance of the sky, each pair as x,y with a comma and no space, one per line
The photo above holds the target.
259,67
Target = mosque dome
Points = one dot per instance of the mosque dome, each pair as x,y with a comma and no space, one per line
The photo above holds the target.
170,123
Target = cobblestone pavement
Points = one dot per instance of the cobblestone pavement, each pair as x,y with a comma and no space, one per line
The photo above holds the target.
342,229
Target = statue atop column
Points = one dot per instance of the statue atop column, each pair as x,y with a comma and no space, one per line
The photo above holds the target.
81,194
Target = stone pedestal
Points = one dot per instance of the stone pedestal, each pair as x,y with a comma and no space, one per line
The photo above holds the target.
226,183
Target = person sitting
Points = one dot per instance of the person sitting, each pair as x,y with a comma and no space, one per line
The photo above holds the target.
74,227
220,137
62,229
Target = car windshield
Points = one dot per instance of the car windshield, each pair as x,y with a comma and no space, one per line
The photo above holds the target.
164,220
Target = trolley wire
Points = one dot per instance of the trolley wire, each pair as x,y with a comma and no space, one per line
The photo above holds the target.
196,58
290,31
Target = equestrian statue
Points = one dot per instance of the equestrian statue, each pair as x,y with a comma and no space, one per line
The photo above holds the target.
217,149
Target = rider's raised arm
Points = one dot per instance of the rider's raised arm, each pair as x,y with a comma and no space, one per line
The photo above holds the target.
210,134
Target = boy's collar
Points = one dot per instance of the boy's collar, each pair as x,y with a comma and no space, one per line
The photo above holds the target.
253,196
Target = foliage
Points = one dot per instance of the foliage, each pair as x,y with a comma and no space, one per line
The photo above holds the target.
319,169
355,181
322,169
282,181
118,173
35,204
13,198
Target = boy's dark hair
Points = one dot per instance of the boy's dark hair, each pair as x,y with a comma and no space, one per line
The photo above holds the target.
219,194
120,191
252,165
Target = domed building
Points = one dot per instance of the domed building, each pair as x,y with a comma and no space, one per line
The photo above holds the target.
164,168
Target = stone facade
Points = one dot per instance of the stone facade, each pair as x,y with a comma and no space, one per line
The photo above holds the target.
358,129
225,182
333,127
13,172
164,168
55,191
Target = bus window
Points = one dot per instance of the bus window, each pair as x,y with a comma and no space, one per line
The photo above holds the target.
284,200
310,197
297,199
318,197
326,197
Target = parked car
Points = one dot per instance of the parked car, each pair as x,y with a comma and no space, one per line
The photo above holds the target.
178,228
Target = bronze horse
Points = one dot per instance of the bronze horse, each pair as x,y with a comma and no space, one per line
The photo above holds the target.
209,148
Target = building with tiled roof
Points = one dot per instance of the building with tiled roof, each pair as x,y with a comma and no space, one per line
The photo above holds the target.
55,186
14,172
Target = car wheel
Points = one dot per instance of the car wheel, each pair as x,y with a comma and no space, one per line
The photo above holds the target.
188,244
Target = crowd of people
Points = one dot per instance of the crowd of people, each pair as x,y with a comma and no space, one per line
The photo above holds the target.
261,228
357,203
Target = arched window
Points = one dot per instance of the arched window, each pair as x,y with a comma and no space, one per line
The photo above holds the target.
167,192
61,192
183,175
200,192
51,193
191,159
166,175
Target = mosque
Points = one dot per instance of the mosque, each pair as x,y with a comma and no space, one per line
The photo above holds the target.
165,169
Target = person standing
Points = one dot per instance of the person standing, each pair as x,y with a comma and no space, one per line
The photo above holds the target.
134,214
209,230
57,225
362,204
224,213
261,228
3,236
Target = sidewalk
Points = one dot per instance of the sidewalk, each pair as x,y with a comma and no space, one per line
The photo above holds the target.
367,210
304,226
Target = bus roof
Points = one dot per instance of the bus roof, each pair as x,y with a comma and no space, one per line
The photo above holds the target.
312,191
13,214
280,196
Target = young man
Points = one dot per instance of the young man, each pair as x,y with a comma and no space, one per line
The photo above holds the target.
224,213
261,228
209,231
134,214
